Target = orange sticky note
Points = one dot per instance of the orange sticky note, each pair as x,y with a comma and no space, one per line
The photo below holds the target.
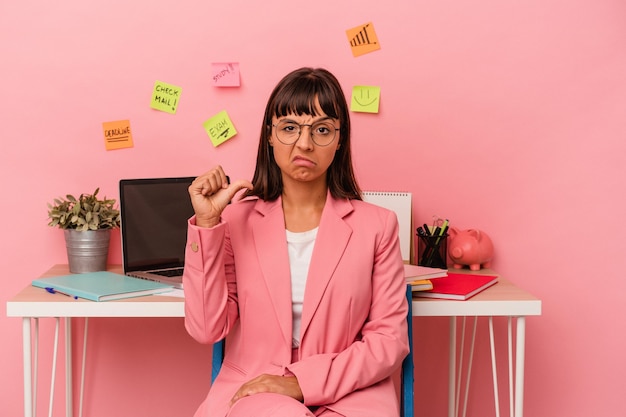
363,39
117,135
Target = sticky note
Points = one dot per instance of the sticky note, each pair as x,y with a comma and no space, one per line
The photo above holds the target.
363,39
225,74
165,97
365,99
219,128
117,135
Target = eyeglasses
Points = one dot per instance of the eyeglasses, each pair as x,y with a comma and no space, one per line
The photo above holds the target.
322,133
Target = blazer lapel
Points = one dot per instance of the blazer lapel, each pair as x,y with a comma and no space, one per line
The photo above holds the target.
330,244
271,246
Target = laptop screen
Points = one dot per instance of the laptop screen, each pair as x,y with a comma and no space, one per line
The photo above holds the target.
154,214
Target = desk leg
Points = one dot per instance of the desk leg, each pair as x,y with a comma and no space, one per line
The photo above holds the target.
519,366
28,375
68,367
494,368
509,346
518,398
452,370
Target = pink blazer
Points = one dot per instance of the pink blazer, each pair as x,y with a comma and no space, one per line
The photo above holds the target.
353,334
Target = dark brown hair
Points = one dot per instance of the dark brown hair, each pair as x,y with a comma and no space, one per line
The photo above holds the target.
298,93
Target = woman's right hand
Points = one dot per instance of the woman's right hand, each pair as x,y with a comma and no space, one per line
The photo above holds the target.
210,193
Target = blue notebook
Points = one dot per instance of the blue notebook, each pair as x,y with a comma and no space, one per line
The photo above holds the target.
101,286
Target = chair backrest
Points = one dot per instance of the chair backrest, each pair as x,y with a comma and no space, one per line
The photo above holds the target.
407,408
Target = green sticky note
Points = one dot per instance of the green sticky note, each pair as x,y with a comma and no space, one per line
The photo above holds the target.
219,128
365,99
165,97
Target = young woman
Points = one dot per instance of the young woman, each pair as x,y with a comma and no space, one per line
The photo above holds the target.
303,279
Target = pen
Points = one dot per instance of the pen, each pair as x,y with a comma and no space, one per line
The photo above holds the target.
426,238
53,291
439,233
426,229
444,228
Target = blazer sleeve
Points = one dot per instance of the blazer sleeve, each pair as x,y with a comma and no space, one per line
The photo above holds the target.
326,378
209,283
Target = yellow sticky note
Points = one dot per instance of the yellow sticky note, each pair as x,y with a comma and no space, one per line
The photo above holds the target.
117,135
165,97
219,128
363,39
365,99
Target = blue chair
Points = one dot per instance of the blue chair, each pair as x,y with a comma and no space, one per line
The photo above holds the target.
407,379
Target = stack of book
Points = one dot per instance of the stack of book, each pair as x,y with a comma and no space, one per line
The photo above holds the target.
420,277
440,283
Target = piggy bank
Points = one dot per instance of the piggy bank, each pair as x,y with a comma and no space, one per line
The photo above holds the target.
469,247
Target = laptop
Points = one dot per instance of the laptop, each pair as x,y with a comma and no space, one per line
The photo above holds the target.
154,214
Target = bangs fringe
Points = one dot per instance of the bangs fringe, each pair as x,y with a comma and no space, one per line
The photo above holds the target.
300,98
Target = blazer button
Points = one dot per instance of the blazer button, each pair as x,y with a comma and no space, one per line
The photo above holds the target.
194,246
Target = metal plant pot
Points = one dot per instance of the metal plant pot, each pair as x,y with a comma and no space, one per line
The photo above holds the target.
87,251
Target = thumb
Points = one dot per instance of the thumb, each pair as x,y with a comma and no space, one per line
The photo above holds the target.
237,186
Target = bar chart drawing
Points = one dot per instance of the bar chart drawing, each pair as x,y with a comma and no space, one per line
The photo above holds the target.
363,39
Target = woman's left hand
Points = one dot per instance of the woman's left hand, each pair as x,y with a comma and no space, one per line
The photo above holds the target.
285,385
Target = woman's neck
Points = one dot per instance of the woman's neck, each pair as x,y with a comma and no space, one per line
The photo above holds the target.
303,206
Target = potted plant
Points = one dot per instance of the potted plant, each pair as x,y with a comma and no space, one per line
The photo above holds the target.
87,222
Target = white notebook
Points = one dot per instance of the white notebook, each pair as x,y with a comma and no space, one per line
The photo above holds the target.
400,203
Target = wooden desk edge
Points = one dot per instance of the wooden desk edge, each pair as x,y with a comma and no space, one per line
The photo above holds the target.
34,302
508,299
503,298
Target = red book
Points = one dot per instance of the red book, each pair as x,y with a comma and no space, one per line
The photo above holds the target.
458,286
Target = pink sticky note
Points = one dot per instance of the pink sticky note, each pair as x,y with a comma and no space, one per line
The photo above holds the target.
225,74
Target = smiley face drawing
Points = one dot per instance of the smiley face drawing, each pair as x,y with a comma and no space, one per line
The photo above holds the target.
365,99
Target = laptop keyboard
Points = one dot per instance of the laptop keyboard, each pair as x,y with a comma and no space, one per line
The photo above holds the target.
169,272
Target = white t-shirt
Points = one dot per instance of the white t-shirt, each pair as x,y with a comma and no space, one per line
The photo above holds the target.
300,246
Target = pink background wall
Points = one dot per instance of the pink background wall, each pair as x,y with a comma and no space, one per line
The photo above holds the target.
500,115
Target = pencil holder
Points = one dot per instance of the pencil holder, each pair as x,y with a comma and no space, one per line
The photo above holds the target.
432,251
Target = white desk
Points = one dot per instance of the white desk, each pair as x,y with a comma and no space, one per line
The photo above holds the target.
502,299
